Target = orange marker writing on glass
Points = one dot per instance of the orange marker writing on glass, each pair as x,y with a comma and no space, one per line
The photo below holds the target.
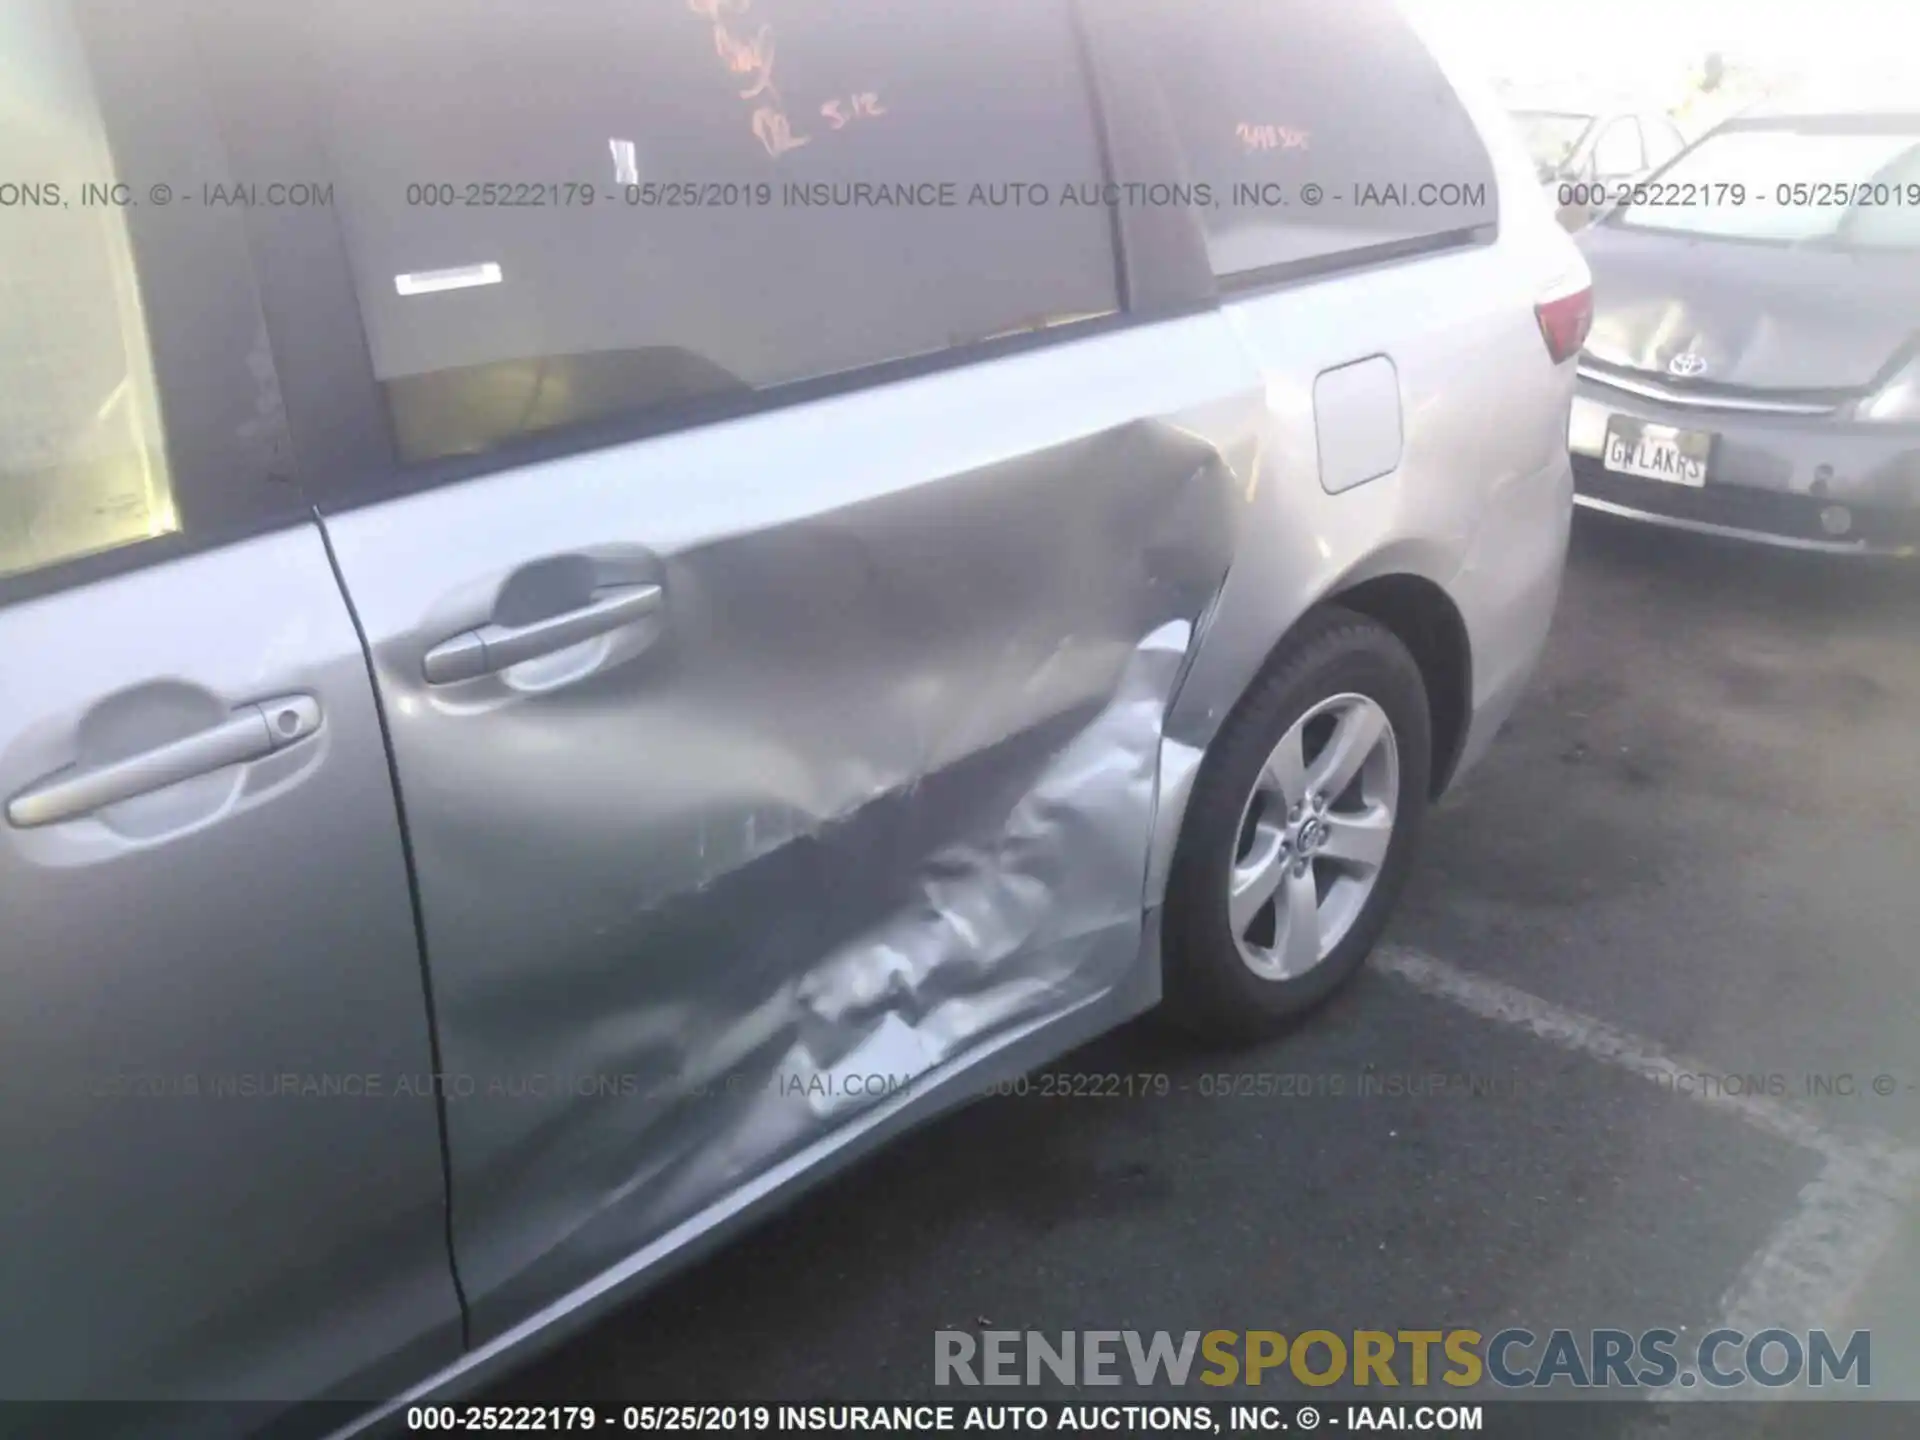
840,112
1270,137
776,131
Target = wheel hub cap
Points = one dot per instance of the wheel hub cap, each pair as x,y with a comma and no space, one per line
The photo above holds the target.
1313,836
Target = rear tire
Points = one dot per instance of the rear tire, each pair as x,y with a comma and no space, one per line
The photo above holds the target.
1297,839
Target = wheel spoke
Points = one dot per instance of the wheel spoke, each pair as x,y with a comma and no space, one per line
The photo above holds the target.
1286,767
1298,942
1355,737
1325,821
1359,842
1254,883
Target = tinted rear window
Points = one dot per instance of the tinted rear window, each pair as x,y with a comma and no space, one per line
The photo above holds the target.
562,212
1317,128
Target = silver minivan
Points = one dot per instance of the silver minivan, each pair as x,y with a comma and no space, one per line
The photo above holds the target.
604,605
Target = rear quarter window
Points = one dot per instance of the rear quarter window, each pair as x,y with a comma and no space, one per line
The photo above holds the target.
1317,130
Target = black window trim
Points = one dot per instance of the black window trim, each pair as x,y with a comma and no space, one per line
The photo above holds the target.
339,494
143,69
1287,273
98,566
1093,91
1161,251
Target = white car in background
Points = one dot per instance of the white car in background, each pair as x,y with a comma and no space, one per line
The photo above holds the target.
1587,154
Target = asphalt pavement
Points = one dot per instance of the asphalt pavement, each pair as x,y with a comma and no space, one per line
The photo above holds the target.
1641,1050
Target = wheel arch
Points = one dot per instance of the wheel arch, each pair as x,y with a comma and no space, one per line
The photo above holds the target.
1425,619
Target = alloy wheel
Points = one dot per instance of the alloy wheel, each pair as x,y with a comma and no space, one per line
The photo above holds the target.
1313,836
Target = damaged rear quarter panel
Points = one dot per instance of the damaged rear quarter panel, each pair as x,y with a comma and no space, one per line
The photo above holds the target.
873,800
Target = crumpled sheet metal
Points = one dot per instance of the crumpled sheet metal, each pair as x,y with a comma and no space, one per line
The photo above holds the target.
1027,921
897,765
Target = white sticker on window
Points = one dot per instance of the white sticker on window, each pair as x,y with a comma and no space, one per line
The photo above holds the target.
626,165
460,277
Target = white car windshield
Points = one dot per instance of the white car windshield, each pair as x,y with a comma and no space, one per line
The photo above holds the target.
1791,182
1551,136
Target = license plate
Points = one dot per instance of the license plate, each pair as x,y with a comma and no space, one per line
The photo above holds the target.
1657,452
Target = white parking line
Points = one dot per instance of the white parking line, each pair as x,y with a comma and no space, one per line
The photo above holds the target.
1812,1269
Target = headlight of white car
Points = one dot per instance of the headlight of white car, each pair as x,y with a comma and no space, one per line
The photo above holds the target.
1897,401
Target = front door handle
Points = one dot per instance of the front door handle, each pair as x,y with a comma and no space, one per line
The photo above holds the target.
253,733
494,647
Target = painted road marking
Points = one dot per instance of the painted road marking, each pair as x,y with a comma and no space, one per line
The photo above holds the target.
1814,1266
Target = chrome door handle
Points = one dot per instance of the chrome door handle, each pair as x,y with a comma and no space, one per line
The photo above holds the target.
254,732
494,647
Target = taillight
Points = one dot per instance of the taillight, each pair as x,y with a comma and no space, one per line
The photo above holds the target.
1564,322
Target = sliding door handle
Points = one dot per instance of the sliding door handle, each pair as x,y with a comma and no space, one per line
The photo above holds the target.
253,733
495,647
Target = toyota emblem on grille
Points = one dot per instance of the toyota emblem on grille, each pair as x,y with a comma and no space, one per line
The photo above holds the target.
1687,363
